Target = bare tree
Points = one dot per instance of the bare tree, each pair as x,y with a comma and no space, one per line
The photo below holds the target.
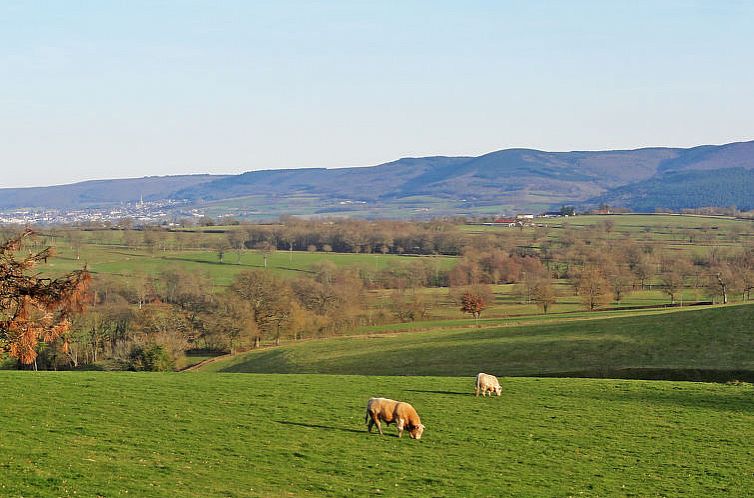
593,288
673,276
266,249
221,247
236,241
544,293
232,319
76,240
743,265
270,300
723,280
644,269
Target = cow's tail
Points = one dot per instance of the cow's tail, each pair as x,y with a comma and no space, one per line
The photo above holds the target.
366,415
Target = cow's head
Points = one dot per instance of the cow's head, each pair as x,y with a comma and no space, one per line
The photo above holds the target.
498,389
416,431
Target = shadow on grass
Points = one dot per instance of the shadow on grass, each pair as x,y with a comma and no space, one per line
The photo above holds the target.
326,427
736,398
231,265
263,361
208,262
672,374
455,393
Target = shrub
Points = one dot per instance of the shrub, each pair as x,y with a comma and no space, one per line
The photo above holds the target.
150,358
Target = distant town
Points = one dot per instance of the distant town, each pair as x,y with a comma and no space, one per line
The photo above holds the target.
179,211
141,213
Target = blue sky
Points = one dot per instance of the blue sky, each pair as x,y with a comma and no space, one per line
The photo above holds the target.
106,89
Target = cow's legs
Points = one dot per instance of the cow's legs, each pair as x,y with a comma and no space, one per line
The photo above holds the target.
371,424
379,426
399,424
476,391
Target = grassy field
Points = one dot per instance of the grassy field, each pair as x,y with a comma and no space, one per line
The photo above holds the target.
717,339
113,260
509,302
695,234
637,222
199,435
508,320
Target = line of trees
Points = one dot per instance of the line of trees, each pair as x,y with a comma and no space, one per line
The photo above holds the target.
292,234
603,270
148,321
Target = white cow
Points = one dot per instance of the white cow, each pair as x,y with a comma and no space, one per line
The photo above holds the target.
486,383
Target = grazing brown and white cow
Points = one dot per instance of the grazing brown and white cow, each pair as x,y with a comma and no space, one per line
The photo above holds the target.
486,383
389,411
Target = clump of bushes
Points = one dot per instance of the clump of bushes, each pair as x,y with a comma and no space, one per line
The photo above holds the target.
150,358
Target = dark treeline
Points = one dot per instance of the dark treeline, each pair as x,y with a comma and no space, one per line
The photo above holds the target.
387,237
346,236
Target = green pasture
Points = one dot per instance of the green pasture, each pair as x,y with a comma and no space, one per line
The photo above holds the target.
630,222
692,239
509,301
121,261
673,344
663,228
198,435
508,320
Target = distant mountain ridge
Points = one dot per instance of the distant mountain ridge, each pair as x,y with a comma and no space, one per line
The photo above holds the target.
98,193
501,181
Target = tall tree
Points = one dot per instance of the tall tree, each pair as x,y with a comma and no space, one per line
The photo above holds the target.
236,240
232,320
270,300
673,276
76,240
723,279
620,280
593,288
544,294
266,248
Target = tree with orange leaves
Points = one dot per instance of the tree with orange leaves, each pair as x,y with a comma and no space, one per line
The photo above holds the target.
33,308
474,300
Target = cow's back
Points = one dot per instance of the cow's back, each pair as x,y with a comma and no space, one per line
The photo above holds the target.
483,379
382,407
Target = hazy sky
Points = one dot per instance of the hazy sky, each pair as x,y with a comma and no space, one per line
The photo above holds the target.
106,89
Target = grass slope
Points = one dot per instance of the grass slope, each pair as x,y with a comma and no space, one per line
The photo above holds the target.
716,338
196,435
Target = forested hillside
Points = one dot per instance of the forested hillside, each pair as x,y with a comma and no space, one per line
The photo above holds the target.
687,189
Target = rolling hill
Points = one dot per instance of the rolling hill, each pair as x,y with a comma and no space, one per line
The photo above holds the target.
706,344
502,181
